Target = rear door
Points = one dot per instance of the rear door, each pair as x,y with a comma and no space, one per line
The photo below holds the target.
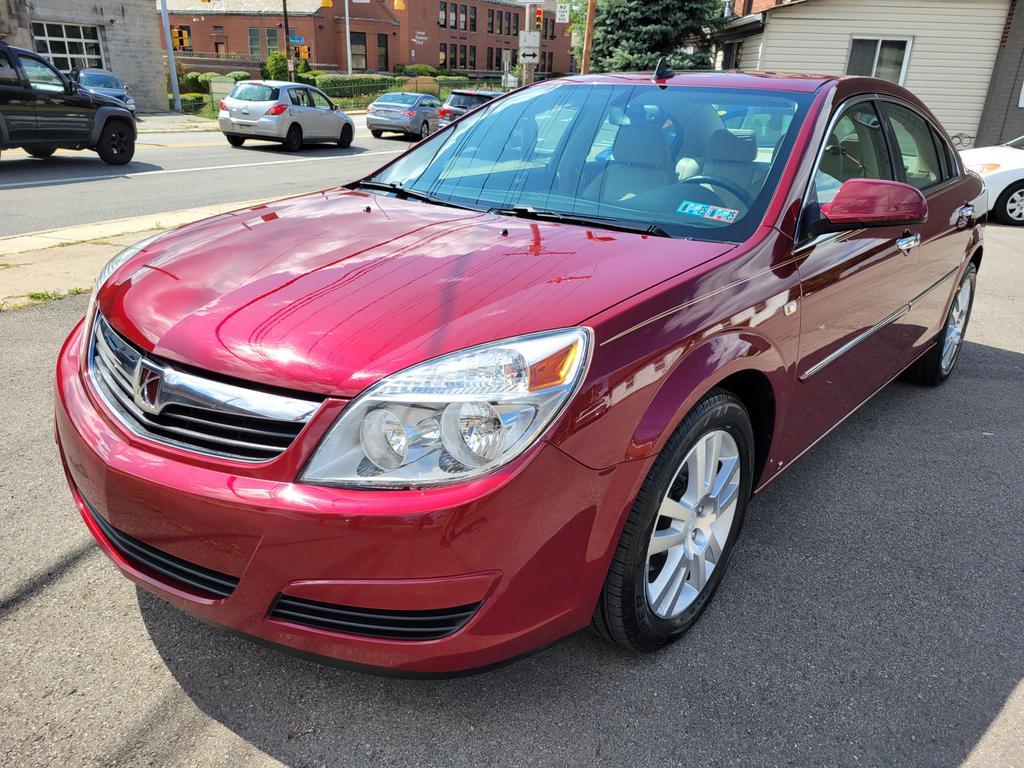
925,160
63,112
17,102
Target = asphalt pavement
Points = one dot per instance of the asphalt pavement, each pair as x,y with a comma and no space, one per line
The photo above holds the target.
174,171
873,614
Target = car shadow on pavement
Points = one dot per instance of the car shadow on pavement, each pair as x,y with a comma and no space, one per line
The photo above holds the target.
872,616
24,172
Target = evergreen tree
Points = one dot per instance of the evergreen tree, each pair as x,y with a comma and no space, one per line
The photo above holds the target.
631,35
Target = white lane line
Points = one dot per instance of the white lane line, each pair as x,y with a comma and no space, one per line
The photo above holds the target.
164,171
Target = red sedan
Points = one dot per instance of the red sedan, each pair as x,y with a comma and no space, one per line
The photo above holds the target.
524,378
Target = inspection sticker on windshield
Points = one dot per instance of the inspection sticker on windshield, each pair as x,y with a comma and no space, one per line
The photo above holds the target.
705,211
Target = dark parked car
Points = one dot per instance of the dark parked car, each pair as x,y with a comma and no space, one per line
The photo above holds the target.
459,103
506,387
41,111
105,83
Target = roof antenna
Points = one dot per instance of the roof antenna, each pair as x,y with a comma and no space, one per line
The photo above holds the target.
662,71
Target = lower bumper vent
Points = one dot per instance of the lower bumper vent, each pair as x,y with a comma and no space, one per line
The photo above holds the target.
372,622
179,572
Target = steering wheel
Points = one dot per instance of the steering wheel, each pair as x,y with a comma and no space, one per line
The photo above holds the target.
726,184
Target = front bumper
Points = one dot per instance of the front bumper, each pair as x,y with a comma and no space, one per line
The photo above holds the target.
531,545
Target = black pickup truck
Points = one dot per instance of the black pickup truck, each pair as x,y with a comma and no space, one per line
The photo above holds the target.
41,111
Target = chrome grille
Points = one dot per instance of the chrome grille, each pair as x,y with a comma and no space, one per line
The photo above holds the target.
162,403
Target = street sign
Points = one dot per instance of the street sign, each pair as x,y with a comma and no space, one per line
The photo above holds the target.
562,14
297,40
528,55
529,44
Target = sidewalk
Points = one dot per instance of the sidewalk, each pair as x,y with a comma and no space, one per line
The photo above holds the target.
48,265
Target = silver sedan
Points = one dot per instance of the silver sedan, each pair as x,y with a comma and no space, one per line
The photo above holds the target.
414,114
291,113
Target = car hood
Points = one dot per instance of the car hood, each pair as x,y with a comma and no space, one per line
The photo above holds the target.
330,292
113,93
105,99
1007,156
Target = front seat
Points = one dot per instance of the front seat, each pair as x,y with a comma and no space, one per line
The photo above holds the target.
640,162
731,156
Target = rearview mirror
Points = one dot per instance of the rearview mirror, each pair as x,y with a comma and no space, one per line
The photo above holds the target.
9,75
862,203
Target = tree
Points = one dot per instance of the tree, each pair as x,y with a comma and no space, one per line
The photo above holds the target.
631,35
276,66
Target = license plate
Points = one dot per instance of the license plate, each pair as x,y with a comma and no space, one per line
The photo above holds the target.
243,128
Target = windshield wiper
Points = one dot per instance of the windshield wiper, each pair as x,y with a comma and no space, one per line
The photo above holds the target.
607,222
404,193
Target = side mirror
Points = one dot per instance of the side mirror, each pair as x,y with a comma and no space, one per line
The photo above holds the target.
70,86
9,76
863,203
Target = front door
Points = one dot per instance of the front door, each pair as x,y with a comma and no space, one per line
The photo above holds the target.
328,122
303,112
63,113
17,102
855,285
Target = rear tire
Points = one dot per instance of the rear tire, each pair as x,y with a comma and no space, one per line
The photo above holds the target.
235,141
376,134
647,602
117,143
1009,208
346,137
293,140
424,131
938,363
40,152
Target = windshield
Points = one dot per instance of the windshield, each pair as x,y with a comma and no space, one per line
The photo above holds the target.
398,98
97,80
1017,143
468,100
253,92
694,162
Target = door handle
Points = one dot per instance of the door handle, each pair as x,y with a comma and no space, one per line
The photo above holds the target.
964,215
908,243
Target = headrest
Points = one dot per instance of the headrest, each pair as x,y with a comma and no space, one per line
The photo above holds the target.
643,144
730,147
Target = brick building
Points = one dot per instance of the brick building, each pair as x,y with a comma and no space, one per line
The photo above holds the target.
82,33
475,36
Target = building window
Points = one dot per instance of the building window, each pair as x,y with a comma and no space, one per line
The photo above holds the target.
490,58
442,59
273,42
472,57
515,24
462,57
551,61
68,46
357,41
462,17
453,11
472,18
731,55
876,57
508,23
442,15
254,41
515,58
490,21
218,30
382,53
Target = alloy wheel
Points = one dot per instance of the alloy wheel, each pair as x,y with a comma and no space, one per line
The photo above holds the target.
424,131
1015,205
693,524
118,141
955,326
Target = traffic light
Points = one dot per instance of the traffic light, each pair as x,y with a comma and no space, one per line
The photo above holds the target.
538,21
300,51
179,38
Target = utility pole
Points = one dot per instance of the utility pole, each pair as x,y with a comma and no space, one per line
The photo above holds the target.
529,61
171,66
348,39
287,41
588,36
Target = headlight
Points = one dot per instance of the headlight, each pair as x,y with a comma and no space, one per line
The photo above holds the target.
453,418
984,168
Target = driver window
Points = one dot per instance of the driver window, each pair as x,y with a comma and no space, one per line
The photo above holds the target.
855,149
41,76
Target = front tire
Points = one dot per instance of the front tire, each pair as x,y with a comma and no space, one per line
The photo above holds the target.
936,366
293,139
1009,208
235,141
677,540
41,152
345,141
117,143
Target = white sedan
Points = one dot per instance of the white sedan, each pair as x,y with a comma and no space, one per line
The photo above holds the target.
1002,168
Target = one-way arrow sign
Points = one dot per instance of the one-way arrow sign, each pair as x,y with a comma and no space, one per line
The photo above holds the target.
532,55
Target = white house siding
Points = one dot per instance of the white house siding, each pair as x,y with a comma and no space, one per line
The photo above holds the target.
951,59
750,53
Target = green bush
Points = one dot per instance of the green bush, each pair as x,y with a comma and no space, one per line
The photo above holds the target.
305,77
239,75
276,66
421,70
302,66
342,81
193,83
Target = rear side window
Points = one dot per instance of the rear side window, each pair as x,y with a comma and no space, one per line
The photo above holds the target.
298,97
855,149
253,92
916,145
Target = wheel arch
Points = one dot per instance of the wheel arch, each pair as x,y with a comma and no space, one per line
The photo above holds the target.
976,257
104,115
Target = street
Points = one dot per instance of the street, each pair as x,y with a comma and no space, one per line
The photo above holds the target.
173,171
872,614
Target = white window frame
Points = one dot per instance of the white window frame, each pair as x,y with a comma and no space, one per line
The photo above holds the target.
878,40
87,59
